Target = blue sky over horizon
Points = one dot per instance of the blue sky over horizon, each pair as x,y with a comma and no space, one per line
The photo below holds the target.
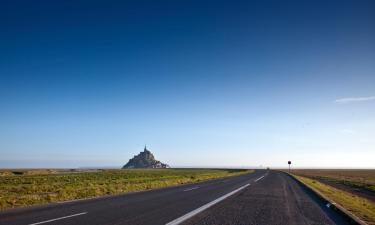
202,83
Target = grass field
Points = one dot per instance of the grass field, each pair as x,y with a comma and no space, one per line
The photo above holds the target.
28,187
362,179
352,189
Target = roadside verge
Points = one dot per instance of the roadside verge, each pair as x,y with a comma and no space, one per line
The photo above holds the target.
350,217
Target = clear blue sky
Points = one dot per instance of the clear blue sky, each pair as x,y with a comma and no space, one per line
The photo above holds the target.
202,83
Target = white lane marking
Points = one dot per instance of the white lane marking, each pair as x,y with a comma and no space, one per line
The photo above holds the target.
204,207
329,204
60,218
190,189
259,178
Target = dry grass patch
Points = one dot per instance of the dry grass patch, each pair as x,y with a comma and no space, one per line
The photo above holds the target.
364,179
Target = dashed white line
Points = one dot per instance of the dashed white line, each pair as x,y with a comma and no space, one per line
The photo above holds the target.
60,218
190,189
204,207
259,178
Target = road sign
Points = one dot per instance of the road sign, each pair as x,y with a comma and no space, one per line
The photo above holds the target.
289,162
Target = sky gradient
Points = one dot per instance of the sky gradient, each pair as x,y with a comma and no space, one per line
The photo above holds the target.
202,83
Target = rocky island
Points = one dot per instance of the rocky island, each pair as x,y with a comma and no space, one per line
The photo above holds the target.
144,159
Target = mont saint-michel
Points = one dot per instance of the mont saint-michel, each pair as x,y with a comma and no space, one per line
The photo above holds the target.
144,159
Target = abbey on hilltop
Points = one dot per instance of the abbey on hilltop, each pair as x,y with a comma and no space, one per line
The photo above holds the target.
144,159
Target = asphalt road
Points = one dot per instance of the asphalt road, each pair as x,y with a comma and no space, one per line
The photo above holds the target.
276,199
262,197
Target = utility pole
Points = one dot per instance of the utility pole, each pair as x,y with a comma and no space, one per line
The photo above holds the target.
289,162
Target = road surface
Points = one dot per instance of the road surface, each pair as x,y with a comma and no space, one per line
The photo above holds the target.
262,197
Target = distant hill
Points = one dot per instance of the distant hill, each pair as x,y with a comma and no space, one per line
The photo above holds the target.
144,159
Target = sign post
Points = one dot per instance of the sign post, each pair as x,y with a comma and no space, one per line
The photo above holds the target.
289,162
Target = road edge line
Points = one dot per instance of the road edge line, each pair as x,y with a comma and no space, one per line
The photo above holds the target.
204,207
332,205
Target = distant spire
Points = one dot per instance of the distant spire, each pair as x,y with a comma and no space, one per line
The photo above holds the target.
145,148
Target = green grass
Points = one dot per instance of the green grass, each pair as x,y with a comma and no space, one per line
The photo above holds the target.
361,207
25,190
